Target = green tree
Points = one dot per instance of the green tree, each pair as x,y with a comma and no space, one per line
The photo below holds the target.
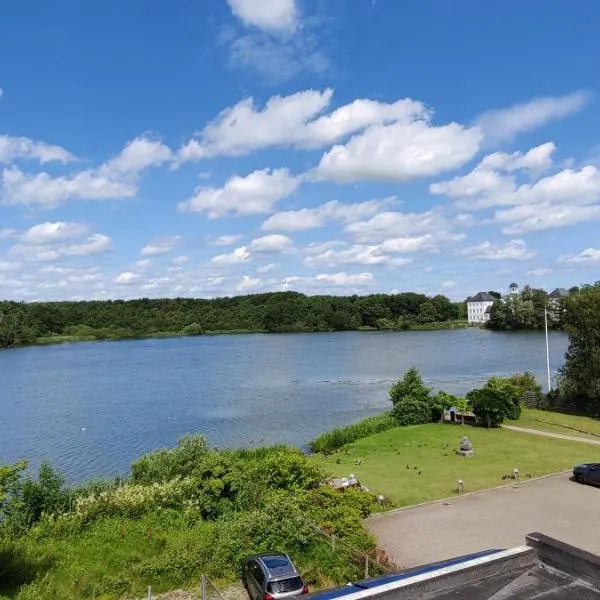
462,404
410,386
491,406
511,392
579,377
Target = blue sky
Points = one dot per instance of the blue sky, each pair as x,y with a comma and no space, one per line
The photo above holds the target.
219,147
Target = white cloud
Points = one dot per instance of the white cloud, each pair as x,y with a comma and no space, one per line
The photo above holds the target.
127,278
138,155
225,240
266,268
449,285
6,266
332,254
560,199
345,279
539,272
513,250
273,244
256,193
14,148
160,246
52,232
504,124
542,216
293,121
270,15
92,245
180,260
398,232
311,218
587,256
247,283
239,255
115,179
399,152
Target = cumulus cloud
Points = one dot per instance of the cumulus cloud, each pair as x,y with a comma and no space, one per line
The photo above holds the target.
52,232
97,243
247,283
160,246
587,256
127,278
513,250
257,193
399,152
398,232
346,279
225,240
239,255
115,179
333,254
311,218
563,198
272,15
271,244
505,124
293,121
15,148
539,272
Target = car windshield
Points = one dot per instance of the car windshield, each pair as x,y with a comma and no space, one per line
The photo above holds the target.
276,562
285,585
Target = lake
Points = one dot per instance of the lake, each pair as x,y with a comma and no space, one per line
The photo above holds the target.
93,407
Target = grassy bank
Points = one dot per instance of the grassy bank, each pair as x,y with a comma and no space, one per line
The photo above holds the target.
458,324
418,463
560,423
181,513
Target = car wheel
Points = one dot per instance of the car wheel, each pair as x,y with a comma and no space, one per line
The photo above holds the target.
581,479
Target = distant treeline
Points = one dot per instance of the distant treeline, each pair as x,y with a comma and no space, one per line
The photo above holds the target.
28,323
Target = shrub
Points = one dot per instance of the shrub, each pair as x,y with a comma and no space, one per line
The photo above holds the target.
333,440
411,385
193,329
491,406
412,411
512,393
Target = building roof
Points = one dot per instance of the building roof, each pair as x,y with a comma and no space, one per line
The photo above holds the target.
559,293
480,297
514,285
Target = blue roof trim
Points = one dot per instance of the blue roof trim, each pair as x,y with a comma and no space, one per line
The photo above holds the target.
373,583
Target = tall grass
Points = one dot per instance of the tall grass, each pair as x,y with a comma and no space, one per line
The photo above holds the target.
333,440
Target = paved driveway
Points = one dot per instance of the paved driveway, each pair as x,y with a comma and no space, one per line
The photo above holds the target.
497,518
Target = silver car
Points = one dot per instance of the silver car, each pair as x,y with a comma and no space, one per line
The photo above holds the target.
271,576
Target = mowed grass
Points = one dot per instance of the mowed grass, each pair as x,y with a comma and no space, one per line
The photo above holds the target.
418,463
559,423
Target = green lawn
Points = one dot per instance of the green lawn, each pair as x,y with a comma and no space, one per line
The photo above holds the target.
559,423
392,460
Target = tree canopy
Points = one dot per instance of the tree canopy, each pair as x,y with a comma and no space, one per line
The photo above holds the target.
580,375
23,323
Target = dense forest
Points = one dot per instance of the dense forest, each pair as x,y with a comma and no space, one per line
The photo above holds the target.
28,323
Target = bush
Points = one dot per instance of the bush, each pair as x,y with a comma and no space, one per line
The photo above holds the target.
412,411
513,394
411,385
193,329
333,440
491,406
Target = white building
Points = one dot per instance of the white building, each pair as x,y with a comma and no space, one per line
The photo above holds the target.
513,290
478,307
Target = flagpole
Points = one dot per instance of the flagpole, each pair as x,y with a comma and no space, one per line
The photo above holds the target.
547,349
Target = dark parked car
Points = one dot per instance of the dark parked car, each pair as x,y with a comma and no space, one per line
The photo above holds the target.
587,473
271,576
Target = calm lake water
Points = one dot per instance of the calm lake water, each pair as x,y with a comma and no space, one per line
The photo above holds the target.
92,408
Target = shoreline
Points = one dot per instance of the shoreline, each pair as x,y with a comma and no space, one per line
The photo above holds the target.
70,339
